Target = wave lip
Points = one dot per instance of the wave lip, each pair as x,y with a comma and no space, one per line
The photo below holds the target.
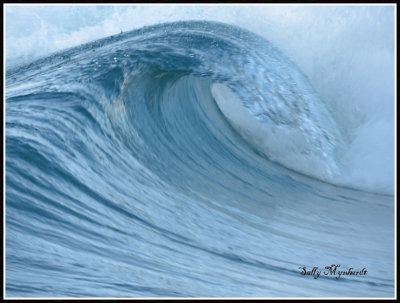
286,144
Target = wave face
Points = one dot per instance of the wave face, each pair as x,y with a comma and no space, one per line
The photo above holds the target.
182,159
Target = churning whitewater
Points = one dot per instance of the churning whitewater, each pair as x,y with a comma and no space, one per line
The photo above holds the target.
186,159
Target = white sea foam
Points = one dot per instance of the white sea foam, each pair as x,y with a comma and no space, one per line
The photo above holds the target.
346,51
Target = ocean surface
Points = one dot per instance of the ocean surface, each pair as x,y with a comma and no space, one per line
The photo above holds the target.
184,159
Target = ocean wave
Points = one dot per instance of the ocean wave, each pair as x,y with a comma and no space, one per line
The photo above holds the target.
173,157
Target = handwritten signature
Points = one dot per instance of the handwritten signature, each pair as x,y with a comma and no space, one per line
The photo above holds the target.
331,270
